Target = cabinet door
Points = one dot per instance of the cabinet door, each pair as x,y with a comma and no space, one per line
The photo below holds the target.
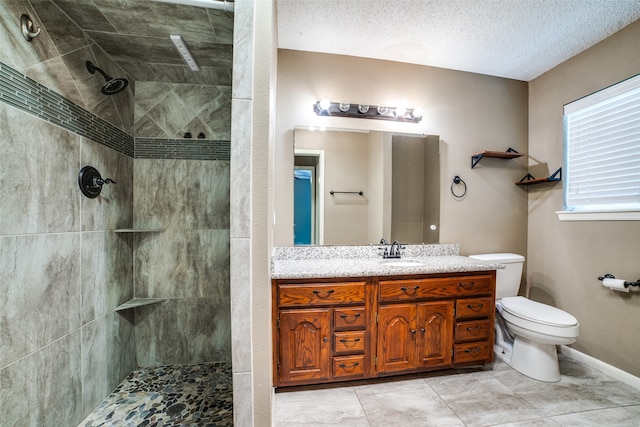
396,337
305,347
435,333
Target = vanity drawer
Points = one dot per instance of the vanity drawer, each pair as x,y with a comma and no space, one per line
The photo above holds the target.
349,318
473,307
472,352
439,287
293,295
474,330
348,366
348,342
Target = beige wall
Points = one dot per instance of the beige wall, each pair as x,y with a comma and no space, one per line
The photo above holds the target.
565,258
470,112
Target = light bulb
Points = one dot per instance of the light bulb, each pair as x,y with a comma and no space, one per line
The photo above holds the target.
417,113
325,103
400,110
344,106
383,109
363,108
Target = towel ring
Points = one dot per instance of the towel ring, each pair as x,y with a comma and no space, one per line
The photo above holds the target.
458,180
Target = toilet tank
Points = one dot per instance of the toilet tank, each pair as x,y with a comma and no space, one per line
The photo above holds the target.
508,278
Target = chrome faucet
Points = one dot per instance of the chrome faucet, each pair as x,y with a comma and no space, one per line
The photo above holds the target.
393,252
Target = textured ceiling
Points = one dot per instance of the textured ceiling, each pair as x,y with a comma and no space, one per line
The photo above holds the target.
518,39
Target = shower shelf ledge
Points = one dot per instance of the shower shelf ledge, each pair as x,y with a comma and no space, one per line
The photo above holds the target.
139,230
138,302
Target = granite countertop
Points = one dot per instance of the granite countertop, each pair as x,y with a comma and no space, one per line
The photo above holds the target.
358,261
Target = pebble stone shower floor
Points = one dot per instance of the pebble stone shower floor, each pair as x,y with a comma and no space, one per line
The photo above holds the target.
169,396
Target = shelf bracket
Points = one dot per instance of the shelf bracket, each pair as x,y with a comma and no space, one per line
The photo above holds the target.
556,176
527,177
475,159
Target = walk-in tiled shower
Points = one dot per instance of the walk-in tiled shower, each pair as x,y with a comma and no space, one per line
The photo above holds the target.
161,231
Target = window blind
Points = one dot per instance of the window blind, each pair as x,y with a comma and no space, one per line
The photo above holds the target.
602,150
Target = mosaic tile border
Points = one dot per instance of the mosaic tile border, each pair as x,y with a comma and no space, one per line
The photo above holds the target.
196,149
26,94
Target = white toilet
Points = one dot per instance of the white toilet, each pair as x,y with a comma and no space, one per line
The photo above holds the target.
527,332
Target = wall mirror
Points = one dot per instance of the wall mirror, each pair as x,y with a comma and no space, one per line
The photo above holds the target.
354,187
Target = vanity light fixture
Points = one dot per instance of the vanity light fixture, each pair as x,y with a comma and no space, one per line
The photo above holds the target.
184,52
400,113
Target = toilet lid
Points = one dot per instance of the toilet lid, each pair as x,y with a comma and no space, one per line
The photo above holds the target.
537,312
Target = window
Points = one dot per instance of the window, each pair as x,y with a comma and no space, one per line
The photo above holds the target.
602,154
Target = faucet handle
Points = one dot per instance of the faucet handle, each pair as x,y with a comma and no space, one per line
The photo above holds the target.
383,241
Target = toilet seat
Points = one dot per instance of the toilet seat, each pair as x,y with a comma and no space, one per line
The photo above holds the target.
538,321
537,312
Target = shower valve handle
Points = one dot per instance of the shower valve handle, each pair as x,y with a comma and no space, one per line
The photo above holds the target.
100,182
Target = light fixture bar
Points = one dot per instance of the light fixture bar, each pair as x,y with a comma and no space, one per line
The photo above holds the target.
360,111
184,52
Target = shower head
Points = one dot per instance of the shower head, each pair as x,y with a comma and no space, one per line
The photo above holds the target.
112,86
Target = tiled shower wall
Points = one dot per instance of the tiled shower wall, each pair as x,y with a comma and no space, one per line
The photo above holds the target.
62,268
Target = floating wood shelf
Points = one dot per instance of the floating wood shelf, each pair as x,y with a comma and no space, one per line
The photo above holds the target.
138,302
531,180
506,155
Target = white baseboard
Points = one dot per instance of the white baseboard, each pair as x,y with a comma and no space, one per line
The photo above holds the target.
603,367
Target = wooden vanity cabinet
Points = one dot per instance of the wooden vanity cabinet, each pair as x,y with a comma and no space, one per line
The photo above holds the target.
328,330
322,331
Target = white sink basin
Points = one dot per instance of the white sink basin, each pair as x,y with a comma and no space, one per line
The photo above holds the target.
402,263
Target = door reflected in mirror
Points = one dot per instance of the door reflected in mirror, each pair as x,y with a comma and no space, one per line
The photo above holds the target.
357,187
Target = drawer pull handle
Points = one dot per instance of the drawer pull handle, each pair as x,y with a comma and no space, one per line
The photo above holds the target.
345,340
474,328
342,365
475,307
473,350
469,285
344,316
329,292
414,289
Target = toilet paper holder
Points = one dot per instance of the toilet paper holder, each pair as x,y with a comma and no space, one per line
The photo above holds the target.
626,282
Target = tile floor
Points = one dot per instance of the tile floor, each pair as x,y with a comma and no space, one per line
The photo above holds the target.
490,396
169,396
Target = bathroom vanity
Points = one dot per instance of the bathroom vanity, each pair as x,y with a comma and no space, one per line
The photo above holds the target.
345,313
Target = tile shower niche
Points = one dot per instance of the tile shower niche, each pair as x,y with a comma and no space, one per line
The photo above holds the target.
138,302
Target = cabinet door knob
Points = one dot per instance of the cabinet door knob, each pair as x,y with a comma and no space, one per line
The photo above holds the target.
469,285
413,331
325,339
423,330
